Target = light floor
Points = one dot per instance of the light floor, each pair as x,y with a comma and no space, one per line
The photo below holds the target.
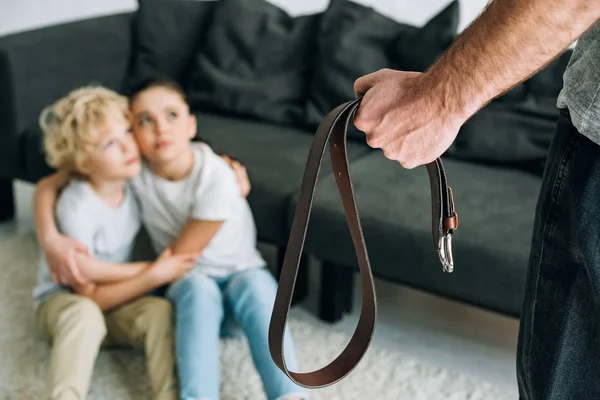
425,327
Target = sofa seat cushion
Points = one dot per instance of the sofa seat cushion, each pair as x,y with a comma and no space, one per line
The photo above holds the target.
491,246
274,156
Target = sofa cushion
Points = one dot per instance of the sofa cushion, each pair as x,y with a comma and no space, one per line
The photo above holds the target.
257,61
356,40
418,50
508,134
166,35
491,246
40,65
353,41
32,154
275,158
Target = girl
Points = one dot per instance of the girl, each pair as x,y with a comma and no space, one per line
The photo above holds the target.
191,203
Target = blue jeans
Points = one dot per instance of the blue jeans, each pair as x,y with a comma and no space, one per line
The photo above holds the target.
200,302
559,336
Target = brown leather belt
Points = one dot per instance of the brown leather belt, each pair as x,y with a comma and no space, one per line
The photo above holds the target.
444,221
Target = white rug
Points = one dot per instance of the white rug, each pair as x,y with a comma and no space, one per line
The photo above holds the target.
120,374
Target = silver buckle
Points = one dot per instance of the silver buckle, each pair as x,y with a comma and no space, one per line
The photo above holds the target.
445,252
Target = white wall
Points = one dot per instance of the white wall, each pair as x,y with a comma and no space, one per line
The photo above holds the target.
18,15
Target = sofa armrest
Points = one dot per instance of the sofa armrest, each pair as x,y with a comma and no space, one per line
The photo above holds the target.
39,66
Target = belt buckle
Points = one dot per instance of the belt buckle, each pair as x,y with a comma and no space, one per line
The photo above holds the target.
445,252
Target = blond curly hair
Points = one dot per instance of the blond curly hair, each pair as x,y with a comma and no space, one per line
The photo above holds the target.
71,124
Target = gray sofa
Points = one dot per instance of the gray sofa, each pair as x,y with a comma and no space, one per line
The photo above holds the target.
494,167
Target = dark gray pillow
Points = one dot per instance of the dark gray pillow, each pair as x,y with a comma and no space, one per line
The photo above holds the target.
257,62
353,39
417,51
514,135
167,33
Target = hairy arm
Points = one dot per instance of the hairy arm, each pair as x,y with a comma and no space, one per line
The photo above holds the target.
509,42
414,118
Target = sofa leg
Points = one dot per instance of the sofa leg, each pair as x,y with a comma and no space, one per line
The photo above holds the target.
7,202
301,287
337,283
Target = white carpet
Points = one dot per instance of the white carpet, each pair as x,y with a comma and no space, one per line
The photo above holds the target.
120,374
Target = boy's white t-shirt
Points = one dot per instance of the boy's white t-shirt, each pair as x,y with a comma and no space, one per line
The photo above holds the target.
108,232
210,192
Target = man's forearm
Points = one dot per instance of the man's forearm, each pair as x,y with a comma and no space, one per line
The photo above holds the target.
44,200
506,44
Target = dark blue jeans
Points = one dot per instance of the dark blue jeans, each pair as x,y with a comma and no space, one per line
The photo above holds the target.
559,337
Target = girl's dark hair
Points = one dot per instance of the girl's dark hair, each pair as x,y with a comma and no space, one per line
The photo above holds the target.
157,81
163,82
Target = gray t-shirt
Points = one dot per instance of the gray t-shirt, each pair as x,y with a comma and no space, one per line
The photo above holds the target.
108,232
210,193
582,85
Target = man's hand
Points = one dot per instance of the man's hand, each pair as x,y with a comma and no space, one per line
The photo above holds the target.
414,117
169,267
240,173
406,115
60,254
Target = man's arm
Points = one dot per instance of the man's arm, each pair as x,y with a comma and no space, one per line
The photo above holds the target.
414,117
102,272
509,42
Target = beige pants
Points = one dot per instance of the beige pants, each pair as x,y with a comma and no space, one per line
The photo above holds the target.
77,328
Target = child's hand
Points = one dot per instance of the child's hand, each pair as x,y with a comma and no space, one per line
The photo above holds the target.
169,267
60,255
241,175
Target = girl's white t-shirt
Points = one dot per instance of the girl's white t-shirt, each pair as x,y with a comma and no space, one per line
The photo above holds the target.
210,193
